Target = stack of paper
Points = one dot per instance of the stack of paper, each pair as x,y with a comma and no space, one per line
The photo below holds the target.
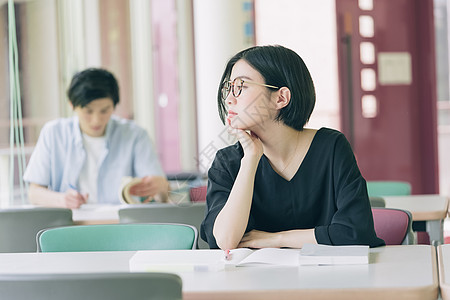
314,254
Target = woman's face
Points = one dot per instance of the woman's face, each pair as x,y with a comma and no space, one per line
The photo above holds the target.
253,106
95,116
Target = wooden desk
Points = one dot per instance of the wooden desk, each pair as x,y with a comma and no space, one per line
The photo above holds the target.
394,272
429,208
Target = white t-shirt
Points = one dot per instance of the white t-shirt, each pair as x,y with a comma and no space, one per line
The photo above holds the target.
95,147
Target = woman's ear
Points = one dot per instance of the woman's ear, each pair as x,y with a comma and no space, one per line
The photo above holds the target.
283,97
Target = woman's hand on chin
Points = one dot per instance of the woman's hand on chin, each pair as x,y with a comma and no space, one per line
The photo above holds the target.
250,142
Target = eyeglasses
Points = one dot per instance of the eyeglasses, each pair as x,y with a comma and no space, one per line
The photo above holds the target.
236,86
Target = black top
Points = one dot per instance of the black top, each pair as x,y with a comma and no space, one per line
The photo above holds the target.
327,193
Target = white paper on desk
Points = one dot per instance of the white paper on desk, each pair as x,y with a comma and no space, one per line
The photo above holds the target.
176,261
316,254
244,257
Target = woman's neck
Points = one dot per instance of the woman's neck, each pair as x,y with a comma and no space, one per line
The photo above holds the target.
279,141
285,148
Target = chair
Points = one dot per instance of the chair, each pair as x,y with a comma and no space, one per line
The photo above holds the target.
19,226
394,226
103,286
388,188
377,202
191,214
198,194
117,237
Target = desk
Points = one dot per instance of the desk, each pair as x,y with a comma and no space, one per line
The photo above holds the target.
394,272
429,208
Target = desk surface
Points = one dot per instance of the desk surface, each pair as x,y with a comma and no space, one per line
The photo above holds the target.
400,272
422,207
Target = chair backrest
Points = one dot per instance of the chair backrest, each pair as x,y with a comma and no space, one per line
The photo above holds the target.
388,188
19,226
393,225
104,286
377,201
118,237
191,214
198,194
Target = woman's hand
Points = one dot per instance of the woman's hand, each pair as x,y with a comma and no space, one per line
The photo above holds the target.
250,142
290,239
260,239
149,187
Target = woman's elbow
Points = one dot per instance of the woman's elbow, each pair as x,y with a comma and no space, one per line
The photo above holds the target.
226,241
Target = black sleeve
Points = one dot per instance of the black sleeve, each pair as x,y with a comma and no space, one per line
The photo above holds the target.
221,177
352,223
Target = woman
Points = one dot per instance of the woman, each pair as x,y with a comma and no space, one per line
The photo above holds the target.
281,185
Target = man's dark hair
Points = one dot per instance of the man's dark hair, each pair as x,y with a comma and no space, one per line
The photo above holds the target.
92,84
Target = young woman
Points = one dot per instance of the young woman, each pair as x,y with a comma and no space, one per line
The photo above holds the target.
84,158
281,185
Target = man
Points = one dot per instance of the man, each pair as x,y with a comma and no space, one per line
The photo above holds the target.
84,158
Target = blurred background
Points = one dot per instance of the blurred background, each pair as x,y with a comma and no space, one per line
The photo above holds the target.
380,68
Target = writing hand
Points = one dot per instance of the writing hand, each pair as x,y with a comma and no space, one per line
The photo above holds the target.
74,199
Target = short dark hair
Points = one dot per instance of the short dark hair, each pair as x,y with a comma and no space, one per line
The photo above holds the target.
91,84
281,67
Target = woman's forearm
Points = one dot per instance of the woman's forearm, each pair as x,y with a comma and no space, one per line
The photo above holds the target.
297,238
232,220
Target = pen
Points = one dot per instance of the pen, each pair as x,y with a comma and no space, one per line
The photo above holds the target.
227,254
73,187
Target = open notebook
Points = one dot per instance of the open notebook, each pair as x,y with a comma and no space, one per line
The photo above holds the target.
206,260
310,254
124,191
245,257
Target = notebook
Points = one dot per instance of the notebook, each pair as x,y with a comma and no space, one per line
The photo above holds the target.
245,257
177,194
205,260
124,191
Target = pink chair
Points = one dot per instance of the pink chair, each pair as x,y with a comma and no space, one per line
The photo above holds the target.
394,226
198,194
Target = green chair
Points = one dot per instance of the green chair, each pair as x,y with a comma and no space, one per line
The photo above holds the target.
87,286
388,188
118,237
192,214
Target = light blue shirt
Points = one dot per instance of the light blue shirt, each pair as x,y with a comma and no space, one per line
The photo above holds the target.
59,155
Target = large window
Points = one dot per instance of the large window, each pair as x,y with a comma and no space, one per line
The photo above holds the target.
441,8
128,37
